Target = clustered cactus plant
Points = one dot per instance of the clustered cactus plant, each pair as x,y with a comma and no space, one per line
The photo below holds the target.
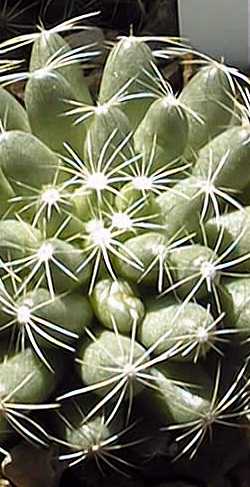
125,262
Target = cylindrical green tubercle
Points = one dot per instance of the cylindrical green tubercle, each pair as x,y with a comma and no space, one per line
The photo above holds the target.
12,114
182,393
51,50
38,381
91,436
129,71
239,290
108,363
209,102
6,193
54,316
116,305
17,238
151,249
183,330
26,162
64,259
181,207
195,272
24,380
163,133
225,160
234,229
47,95
108,145
139,202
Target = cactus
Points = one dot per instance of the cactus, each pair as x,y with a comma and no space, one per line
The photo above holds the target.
124,262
